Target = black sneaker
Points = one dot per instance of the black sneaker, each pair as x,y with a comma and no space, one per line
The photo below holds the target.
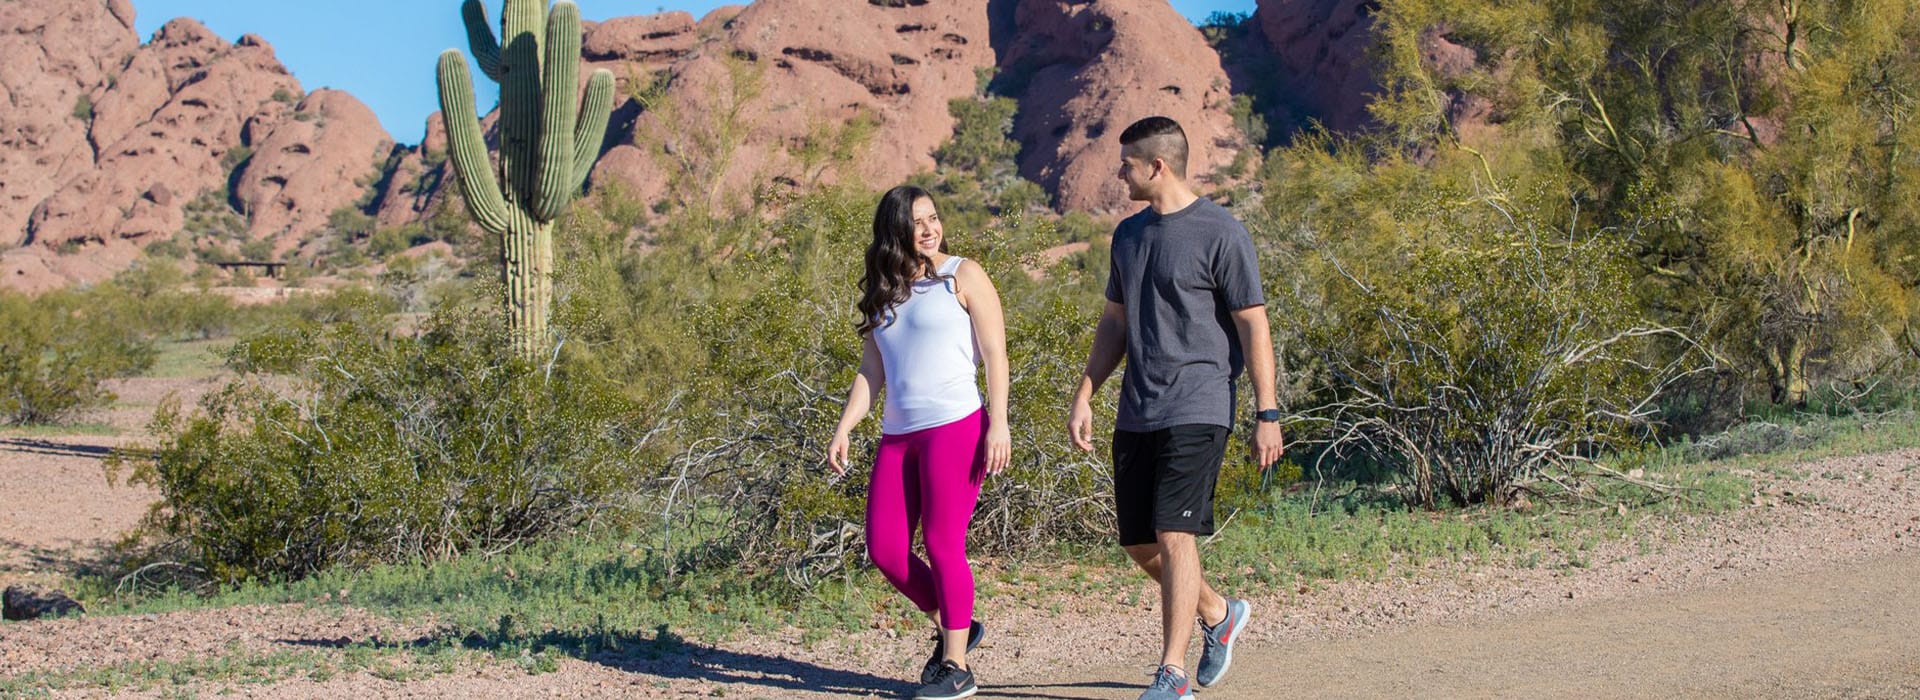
975,633
949,682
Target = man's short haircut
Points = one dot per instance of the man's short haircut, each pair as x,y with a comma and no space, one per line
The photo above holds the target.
1159,137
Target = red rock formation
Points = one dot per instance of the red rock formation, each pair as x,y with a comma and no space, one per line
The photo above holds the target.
650,41
419,180
163,126
769,85
1090,70
214,91
306,167
1321,49
56,57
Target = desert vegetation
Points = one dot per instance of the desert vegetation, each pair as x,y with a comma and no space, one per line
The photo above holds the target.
1681,232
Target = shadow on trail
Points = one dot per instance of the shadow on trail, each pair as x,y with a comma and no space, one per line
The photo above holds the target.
71,559
1039,690
770,672
54,448
663,655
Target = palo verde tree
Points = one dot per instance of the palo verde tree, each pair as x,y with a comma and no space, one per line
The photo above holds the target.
1760,150
548,143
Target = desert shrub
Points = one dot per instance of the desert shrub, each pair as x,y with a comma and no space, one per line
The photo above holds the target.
258,250
350,223
980,142
340,444
157,302
211,218
58,349
1492,348
387,241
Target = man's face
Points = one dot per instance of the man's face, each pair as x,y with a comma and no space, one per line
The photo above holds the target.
1139,174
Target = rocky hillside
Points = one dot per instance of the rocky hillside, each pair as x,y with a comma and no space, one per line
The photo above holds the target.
108,144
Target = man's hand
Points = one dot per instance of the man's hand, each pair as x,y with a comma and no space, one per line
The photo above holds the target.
1267,444
1080,424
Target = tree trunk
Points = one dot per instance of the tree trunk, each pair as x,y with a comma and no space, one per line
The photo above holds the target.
1787,372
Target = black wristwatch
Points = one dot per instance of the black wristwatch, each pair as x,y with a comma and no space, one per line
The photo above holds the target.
1271,415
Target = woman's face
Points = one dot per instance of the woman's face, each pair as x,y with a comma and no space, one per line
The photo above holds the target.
926,227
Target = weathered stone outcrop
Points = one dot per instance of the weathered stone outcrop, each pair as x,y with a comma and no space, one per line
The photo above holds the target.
163,123
1091,69
57,58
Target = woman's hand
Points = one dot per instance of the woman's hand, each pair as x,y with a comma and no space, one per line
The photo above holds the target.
837,453
999,447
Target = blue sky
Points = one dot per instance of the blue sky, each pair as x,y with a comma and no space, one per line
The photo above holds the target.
383,51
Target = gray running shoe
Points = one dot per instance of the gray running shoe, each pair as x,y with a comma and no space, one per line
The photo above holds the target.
1216,653
975,633
949,682
1168,684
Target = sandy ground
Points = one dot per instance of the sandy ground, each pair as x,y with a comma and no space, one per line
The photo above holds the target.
56,505
1806,593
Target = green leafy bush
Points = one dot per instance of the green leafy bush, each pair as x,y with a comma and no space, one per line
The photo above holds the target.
340,444
58,349
1489,346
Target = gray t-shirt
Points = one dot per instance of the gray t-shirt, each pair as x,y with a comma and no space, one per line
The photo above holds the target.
1180,277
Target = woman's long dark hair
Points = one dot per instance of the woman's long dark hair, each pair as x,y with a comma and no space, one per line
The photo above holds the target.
893,261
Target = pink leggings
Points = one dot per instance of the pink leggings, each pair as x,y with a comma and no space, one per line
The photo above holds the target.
928,478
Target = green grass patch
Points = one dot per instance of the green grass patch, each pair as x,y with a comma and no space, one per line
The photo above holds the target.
236,666
191,359
46,431
1777,445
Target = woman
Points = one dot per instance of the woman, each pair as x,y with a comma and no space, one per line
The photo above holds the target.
928,319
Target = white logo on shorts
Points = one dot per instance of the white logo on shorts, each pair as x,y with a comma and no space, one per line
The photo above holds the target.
1186,514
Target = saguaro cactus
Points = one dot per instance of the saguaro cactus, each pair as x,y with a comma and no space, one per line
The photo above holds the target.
548,143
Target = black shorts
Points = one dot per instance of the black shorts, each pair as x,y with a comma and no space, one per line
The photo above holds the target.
1163,480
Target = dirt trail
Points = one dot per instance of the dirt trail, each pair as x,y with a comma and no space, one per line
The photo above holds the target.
1849,632
1811,591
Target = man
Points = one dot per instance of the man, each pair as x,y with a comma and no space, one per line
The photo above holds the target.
1186,311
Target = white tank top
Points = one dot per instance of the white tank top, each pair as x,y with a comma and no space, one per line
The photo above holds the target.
929,353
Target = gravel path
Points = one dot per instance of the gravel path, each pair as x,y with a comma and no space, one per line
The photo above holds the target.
1804,593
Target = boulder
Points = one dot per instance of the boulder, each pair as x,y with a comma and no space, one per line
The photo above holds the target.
25,602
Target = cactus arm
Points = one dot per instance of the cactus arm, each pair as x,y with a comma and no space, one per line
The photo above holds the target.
467,147
558,112
486,49
591,128
523,26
